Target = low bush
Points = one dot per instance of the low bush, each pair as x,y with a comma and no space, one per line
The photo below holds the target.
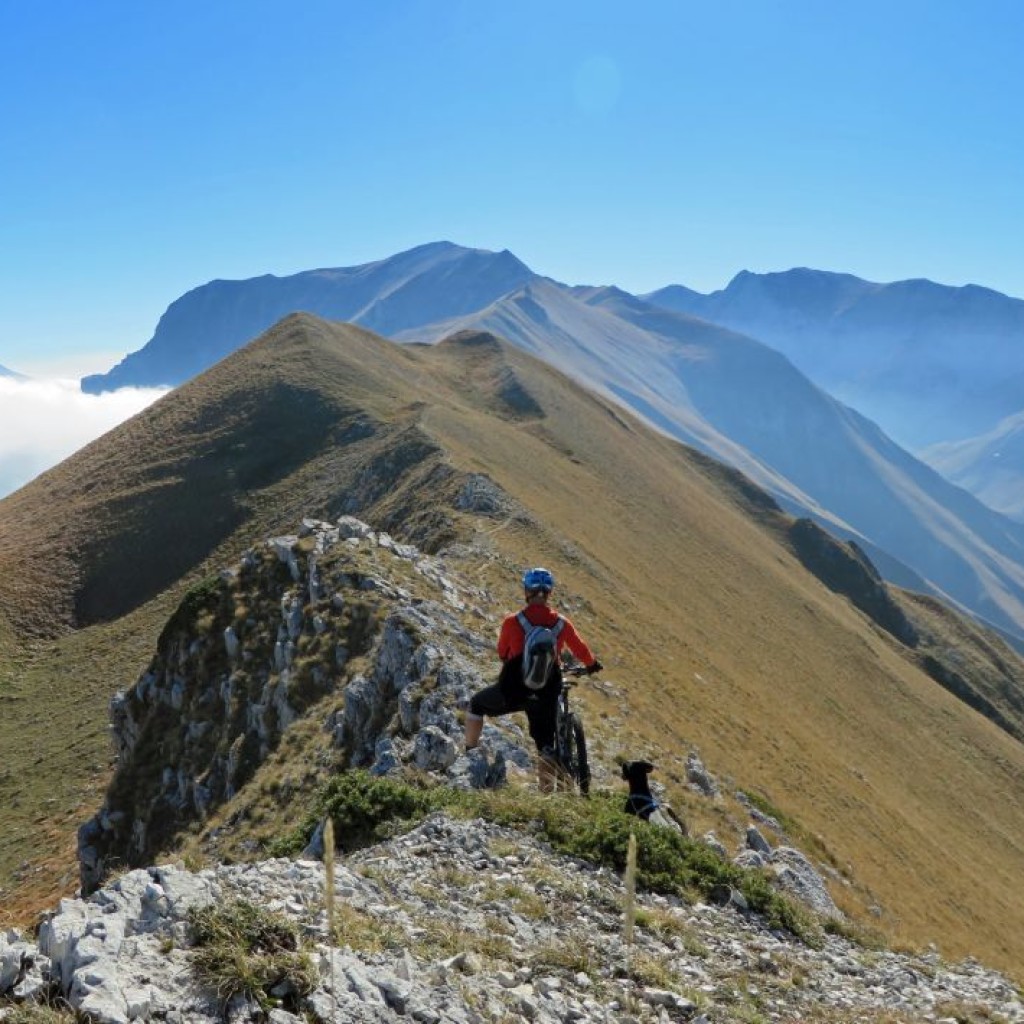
366,809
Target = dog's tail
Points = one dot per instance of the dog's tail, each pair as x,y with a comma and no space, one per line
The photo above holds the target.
664,815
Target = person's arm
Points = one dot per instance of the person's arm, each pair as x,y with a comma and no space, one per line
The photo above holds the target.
578,646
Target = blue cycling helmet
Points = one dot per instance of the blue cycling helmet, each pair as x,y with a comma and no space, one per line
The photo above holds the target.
538,579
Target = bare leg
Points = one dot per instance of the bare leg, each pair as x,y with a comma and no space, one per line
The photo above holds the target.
474,726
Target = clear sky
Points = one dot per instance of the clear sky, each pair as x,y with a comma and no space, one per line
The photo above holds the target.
146,148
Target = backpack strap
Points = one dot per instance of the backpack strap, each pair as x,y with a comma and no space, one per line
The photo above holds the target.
527,625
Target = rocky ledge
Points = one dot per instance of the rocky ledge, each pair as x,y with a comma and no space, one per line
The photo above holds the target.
466,922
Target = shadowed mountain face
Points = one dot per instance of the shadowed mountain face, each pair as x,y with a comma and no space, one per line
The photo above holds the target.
4,372
723,392
929,362
773,647
216,452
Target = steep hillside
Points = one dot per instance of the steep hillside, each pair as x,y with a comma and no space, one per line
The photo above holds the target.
690,582
929,362
257,442
747,405
724,392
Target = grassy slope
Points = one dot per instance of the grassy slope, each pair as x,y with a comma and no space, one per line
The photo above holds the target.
704,617
128,523
780,683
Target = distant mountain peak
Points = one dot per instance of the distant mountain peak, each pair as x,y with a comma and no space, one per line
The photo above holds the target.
435,282
800,276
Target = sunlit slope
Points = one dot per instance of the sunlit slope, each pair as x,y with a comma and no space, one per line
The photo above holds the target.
95,554
746,405
720,639
685,583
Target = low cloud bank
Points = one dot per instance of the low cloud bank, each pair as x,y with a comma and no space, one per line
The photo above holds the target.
44,421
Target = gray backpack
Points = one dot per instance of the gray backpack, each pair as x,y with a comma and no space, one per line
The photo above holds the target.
540,651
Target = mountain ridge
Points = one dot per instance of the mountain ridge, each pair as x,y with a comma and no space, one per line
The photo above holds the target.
930,362
990,466
705,384
741,402
210,321
638,529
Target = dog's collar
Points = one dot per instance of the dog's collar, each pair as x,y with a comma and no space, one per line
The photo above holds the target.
643,803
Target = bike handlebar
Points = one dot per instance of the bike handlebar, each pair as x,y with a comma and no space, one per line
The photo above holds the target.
576,669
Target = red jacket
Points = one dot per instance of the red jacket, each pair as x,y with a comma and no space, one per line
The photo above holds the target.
511,639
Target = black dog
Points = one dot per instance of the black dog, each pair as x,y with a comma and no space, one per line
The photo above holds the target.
641,801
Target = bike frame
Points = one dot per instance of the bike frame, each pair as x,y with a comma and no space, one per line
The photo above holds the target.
571,746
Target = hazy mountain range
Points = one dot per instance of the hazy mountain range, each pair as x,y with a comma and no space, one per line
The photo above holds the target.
432,282
726,393
928,362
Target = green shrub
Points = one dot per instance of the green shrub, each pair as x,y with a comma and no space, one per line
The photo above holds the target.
366,809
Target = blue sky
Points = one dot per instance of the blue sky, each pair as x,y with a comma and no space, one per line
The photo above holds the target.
146,148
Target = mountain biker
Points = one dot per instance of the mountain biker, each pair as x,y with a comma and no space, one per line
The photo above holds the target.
510,692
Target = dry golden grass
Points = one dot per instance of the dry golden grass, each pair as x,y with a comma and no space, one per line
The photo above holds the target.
678,574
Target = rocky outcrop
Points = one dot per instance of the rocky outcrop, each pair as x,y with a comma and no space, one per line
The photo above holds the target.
698,777
366,634
480,495
251,651
845,569
792,872
331,621
458,922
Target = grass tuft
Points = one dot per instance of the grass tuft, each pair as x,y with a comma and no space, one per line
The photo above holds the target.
35,1013
243,949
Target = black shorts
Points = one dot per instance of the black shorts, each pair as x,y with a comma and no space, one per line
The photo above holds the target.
509,695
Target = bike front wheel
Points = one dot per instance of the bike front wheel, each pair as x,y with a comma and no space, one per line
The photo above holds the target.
579,766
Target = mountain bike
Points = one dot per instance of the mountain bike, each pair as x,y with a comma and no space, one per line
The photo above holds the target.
570,740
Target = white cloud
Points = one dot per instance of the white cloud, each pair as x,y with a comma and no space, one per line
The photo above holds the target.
44,421
67,364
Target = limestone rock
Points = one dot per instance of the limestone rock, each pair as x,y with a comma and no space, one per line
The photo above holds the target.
434,751
699,777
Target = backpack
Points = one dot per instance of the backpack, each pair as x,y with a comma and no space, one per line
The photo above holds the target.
540,651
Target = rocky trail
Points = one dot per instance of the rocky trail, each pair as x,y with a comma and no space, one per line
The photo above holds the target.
465,922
